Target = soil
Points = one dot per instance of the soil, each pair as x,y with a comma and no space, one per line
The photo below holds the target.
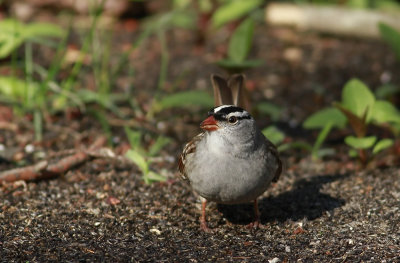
329,210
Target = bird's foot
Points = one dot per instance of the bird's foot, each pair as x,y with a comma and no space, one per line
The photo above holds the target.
205,228
255,225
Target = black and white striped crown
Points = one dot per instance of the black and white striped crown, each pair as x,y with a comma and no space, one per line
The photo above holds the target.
225,111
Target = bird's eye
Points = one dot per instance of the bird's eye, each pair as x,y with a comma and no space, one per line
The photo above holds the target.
232,120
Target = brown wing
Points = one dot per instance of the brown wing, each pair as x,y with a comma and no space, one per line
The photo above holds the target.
189,148
279,170
274,152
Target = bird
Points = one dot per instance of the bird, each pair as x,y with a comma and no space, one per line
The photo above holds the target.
231,161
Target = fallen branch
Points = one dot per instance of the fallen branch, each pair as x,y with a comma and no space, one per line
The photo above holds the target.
66,163
330,19
25,173
45,169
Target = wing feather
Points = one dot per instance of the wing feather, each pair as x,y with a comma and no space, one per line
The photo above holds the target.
189,148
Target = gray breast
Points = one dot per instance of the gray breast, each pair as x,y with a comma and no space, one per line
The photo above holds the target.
228,178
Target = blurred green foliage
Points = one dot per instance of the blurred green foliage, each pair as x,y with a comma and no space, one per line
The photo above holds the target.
392,37
358,108
27,94
233,9
31,88
239,48
274,134
14,33
143,157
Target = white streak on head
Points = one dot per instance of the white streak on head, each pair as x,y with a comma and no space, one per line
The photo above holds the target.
239,114
217,109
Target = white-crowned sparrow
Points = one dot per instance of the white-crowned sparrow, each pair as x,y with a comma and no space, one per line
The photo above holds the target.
231,162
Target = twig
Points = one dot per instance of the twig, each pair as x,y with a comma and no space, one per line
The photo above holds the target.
44,170
25,173
66,163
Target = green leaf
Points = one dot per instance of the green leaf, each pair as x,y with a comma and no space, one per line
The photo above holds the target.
205,6
360,143
242,65
321,118
388,6
381,145
39,30
273,134
152,177
139,160
353,153
386,90
134,137
8,45
16,88
187,98
184,19
358,98
392,37
362,4
180,3
384,111
233,10
13,33
295,145
322,152
241,40
88,96
160,142
10,37
270,109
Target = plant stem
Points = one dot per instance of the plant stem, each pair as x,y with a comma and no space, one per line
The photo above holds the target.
363,157
164,61
38,125
320,139
29,93
69,83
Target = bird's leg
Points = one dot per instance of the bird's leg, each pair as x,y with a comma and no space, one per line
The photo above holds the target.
256,219
203,223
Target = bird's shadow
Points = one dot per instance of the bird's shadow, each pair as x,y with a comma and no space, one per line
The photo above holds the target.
304,201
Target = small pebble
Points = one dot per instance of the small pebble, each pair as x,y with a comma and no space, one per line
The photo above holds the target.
29,148
274,260
155,231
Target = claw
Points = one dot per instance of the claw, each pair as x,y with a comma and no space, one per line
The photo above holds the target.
256,221
205,228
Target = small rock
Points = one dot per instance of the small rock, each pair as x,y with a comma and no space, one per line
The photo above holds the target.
293,54
29,148
113,200
274,260
287,249
155,231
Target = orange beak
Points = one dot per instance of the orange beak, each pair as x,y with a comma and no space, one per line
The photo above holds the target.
209,124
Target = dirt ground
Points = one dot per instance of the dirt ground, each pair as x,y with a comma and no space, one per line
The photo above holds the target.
319,211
